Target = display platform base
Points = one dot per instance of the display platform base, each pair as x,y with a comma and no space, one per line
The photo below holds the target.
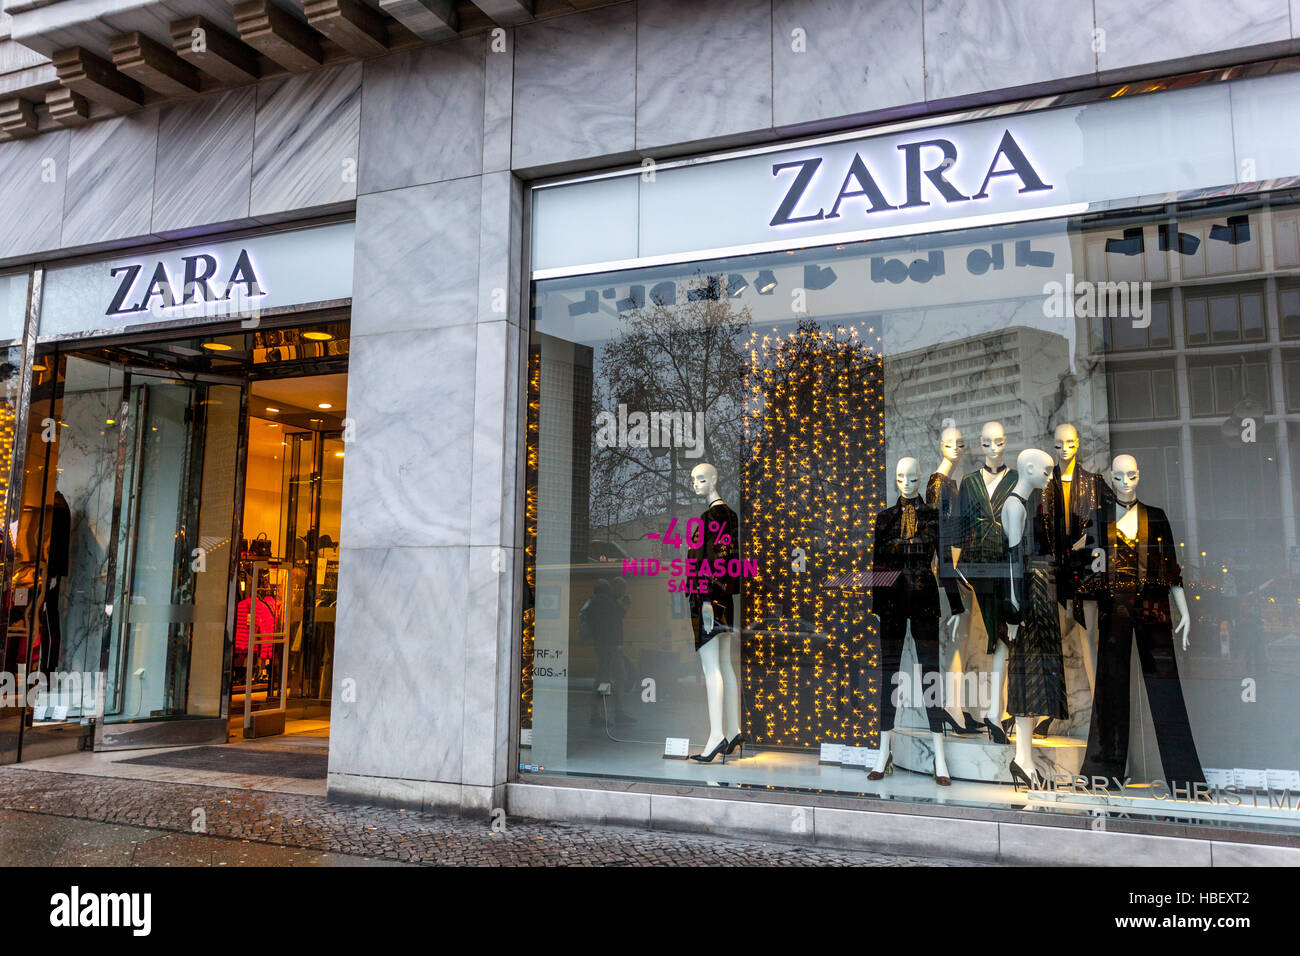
979,759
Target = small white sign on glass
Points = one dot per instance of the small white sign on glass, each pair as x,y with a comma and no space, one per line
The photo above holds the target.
677,748
855,756
1283,779
1253,779
830,753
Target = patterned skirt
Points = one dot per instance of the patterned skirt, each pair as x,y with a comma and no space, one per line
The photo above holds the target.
1035,669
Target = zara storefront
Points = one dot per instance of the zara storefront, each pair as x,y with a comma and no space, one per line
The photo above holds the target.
940,469
175,415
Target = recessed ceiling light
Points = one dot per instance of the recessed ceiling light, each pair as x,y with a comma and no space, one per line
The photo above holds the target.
324,405
217,346
315,421
317,336
273,411
38,367
272,424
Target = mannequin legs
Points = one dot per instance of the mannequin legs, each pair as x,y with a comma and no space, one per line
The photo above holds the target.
882,757
720,690
1025,743
940,762
954,672
1090,643
730,694
999,670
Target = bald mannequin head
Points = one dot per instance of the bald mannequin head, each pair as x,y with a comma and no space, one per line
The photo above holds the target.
952,445
1124,476
1066,443
993,443
907,477
704,481
1034,466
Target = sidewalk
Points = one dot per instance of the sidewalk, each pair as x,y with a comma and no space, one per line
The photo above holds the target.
183,824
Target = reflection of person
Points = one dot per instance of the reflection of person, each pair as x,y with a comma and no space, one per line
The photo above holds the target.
1142,577
606,609
56,570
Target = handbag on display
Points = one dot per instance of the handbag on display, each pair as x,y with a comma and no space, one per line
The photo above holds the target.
260,547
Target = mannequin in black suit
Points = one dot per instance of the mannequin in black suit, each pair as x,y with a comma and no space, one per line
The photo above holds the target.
1072,510
905,596
1142,579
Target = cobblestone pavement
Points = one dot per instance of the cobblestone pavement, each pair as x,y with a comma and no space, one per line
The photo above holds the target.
345,832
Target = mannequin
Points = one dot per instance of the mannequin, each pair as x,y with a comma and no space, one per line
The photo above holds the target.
907,541
981,560
941,494
1035,671
1072,506
1142,578
712,615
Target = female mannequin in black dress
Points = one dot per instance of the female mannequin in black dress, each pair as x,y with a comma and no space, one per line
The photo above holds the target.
713,614
1035,669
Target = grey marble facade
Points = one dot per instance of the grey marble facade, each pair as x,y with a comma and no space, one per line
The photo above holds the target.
973,46
422,116
703,70
33,179
306,137
1131,35
575,87
110,180
407,473
416,261
205,156
400,654
822,67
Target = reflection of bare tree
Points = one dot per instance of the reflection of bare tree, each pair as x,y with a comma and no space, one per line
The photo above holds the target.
680,357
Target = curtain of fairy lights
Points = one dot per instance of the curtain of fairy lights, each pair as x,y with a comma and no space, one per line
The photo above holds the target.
815,445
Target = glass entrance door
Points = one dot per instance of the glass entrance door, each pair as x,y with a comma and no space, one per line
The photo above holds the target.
136,513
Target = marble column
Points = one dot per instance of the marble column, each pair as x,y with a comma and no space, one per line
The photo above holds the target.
424,679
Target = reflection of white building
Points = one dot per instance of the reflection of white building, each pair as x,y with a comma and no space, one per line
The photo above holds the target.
1018,376
1223,345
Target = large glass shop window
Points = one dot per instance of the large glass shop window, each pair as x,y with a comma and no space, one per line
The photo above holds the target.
994,517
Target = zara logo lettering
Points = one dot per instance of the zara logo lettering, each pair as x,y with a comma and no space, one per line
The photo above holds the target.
197,285
859,183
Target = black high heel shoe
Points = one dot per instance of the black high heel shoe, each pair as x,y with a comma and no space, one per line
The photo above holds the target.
950,721
1018,776
708,758
1043,725
973,726
737,741
996,733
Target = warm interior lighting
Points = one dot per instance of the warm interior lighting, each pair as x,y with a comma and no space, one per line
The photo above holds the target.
317,336
324,405
217,346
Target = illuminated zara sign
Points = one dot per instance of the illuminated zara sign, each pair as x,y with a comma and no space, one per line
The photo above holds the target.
200,282
217,280
930,172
